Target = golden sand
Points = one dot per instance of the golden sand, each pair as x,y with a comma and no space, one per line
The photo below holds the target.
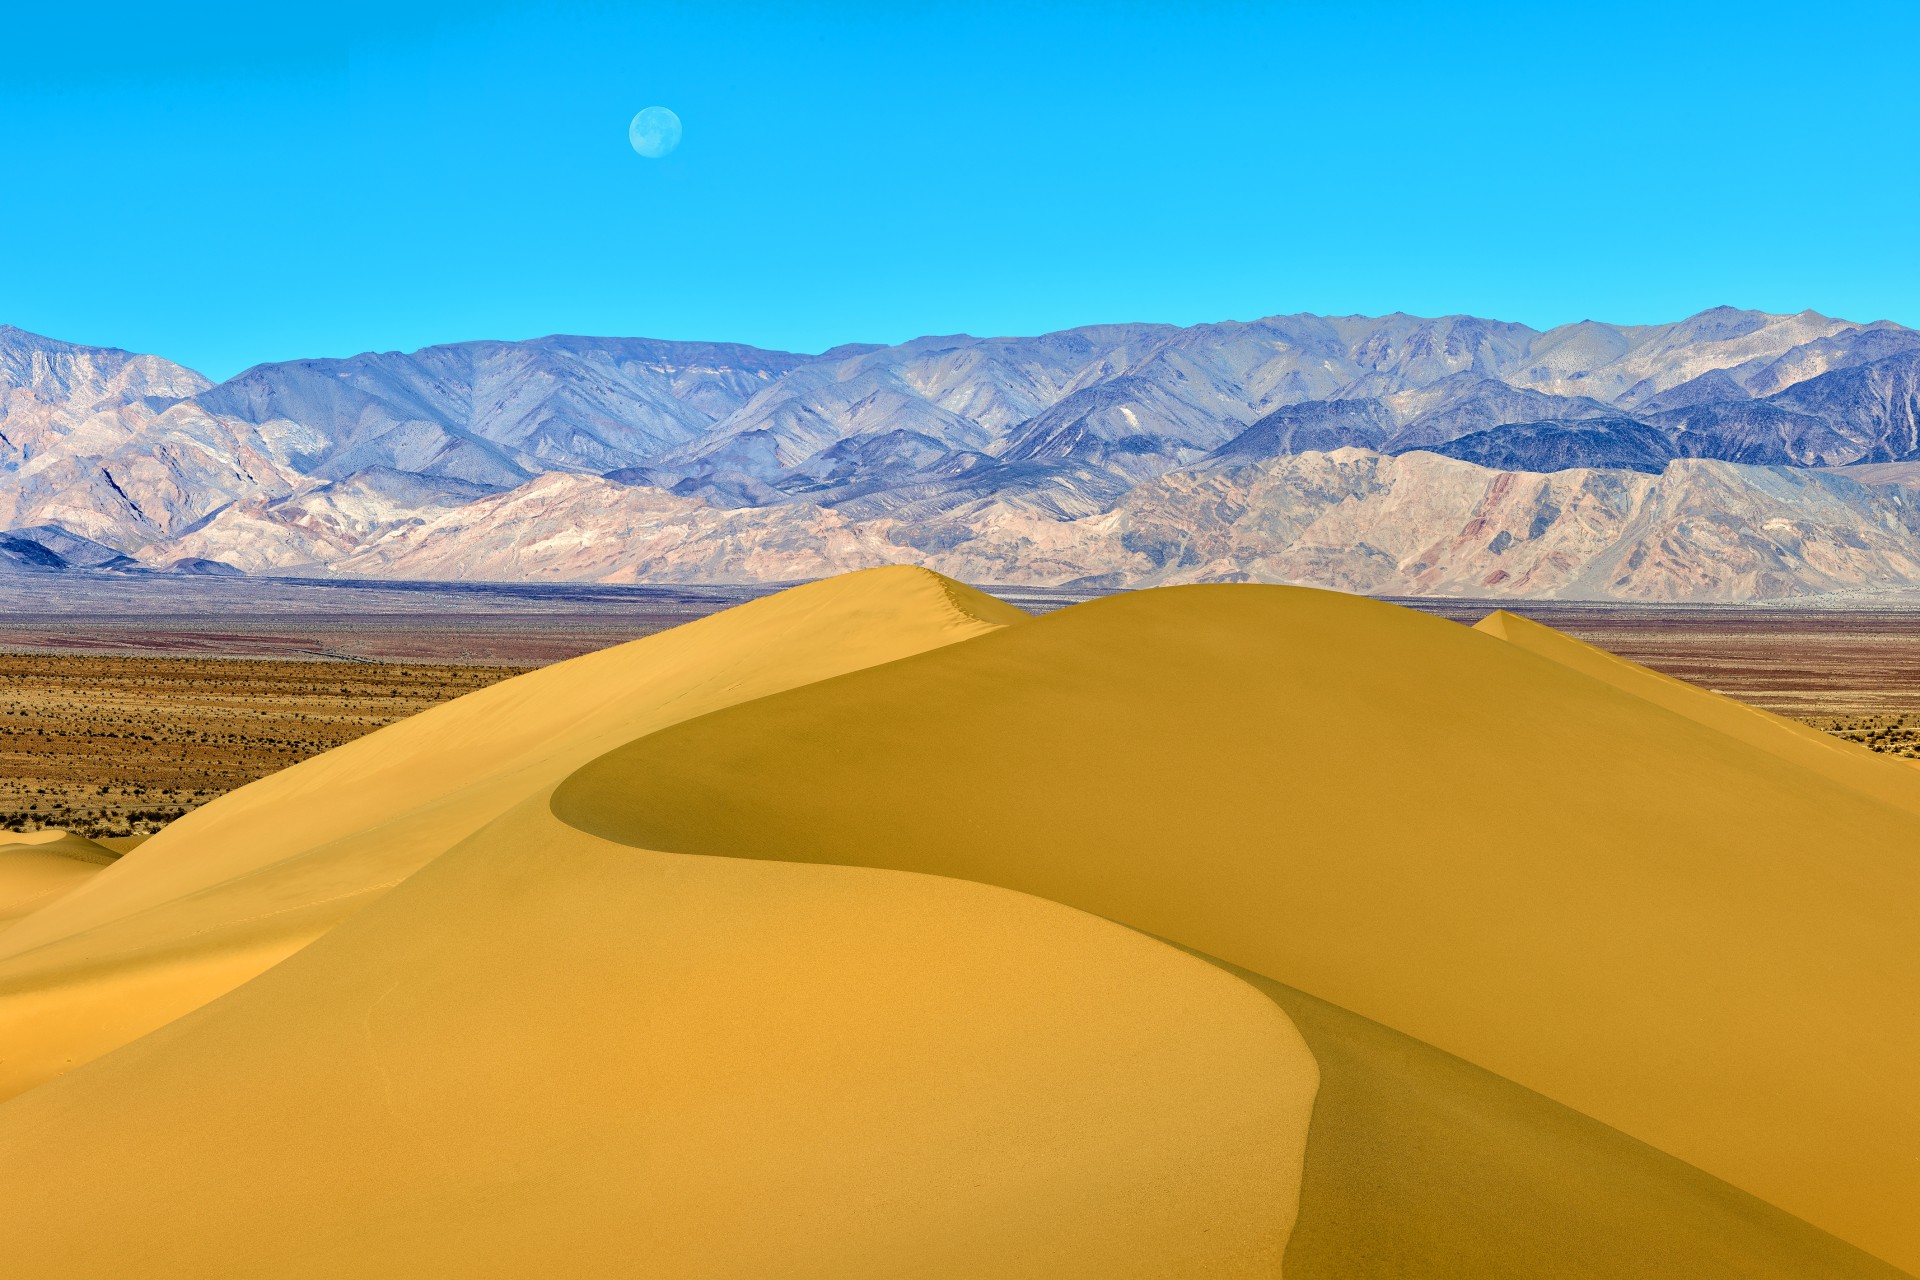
1645,918
1879,777
240,884
37,867
1002,970
547,1054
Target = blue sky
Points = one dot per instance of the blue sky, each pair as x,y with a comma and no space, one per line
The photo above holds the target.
225,185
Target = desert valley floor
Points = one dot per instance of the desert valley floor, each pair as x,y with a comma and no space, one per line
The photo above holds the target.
116,721
879,927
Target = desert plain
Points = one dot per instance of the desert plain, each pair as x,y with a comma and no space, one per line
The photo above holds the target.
879,927
114,724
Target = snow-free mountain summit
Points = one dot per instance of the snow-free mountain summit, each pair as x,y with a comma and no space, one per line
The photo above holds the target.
1731,455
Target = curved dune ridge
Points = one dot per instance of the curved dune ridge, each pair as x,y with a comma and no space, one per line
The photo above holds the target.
238,885
37,867
875,929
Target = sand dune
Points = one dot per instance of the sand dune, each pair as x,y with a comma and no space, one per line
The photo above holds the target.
1421,1164
1649,920
37,867
548,1054
1880,777
241,883
1003,968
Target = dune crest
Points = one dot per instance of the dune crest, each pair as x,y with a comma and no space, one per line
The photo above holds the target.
241,883
1218,931
1879,777
1644,918
37,867
546,1053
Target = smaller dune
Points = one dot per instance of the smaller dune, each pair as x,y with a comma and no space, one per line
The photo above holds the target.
1848,764
38,866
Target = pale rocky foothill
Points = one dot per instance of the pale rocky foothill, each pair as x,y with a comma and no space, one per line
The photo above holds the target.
1732,456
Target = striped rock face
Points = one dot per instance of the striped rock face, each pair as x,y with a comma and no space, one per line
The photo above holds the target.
1023,459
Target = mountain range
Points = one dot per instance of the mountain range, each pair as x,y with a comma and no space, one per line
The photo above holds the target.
1733,455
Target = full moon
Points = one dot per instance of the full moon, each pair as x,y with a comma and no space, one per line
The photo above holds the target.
654,132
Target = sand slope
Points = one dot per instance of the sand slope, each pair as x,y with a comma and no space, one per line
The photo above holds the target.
37,867
546,1054
1655,923
1852,766
1608,979
241,883
1420,1164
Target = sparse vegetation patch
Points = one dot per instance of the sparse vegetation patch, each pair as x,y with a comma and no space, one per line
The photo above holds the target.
1893,735
114,746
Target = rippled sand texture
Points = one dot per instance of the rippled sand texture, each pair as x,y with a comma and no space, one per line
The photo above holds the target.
875,929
